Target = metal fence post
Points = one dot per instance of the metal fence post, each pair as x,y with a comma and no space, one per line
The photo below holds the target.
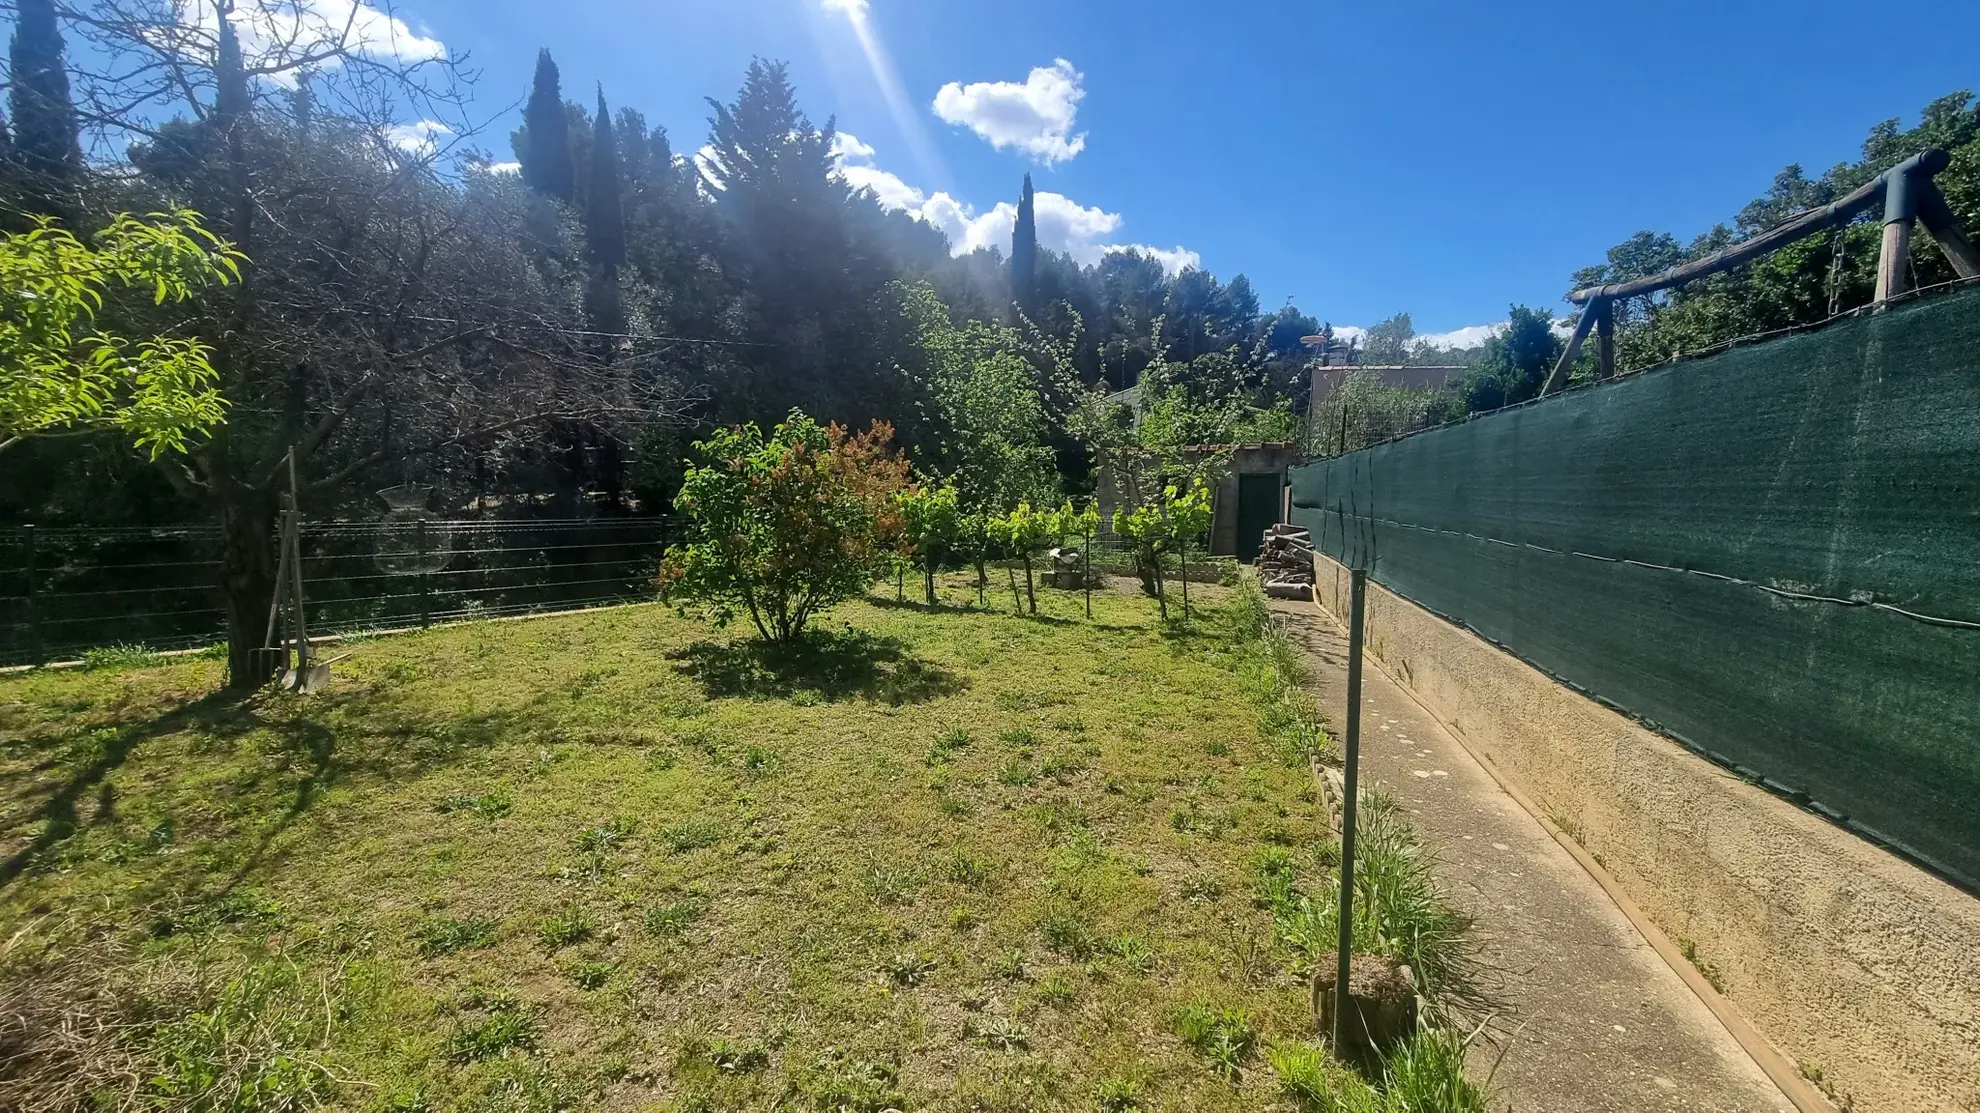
425,578
35,655
1359,580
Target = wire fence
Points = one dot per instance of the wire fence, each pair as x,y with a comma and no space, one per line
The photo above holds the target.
70,589
67,590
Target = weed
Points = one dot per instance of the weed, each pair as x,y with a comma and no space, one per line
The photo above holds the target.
592,975
1062,765
488,805
498,1033
1709,971
908,967
968,870
1012,965
889,885
944,747
1019,737
962,919
1223,1036
759,760
1318,1083
1217,747
953,806
1055,990
807,697
998,1033
443,936
1070,724
603,837
1017,774
670,921
121,656
252,1046
1202,888
1068,933
1133,951
1118,1095
561,929
1427,1072
839,1082
1843,1099
690,834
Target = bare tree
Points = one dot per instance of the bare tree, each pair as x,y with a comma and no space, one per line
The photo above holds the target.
388,310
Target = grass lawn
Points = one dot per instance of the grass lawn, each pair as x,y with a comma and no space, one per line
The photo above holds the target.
955,859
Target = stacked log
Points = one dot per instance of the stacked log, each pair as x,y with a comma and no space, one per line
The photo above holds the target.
1285,562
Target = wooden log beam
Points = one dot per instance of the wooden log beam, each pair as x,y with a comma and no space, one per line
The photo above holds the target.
1943,224
1892,258
1559,377
1806,224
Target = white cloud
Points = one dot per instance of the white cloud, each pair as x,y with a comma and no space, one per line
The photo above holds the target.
1174,260
708,163
504,168
278,36
854,10
420,139
1470,336
1035,117
1063,224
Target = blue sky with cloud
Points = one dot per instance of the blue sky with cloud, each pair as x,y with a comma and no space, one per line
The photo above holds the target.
1445,157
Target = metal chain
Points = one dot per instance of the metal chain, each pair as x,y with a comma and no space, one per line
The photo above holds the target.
1836,269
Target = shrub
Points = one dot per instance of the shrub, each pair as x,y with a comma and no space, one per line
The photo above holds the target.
781,527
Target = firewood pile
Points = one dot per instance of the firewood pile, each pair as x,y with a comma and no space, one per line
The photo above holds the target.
1285,562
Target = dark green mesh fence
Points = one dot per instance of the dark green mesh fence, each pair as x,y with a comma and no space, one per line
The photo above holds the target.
1772,554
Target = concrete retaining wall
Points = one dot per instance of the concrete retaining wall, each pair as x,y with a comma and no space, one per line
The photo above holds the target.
1853,962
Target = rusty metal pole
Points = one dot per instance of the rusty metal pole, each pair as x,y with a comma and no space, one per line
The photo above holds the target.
1345,953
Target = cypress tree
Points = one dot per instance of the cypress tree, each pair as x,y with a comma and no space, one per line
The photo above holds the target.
46,147
1024,252
546,151
604,217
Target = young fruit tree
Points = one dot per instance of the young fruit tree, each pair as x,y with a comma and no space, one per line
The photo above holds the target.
1023,532
933,526
780,527
1081,523
1160,526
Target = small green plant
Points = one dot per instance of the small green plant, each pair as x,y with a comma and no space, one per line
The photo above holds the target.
1223,1036
962,919
1055,990
1318,1083
1062,765
967,869
839,1082
1707,970
807,697
502,1030
1068,933
998,1033
759,760
670,921
908,967
1012,965
1017,774
121,656
690,834
603,837
1202,888
730,1057
440,936
1134,952
488,805
944,747
561,929
592,975
1018,736
1427,1072
1118,1095
1217,747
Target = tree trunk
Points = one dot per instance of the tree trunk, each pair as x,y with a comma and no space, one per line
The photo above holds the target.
982,579
1086,569
1185,580
1030,597
247,582
1016,599
928,581
1161,591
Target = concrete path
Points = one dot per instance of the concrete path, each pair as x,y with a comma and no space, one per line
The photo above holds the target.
1596,1020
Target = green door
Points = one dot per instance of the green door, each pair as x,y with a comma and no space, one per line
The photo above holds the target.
1257,511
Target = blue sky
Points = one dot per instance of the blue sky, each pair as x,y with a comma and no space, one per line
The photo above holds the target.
1445,158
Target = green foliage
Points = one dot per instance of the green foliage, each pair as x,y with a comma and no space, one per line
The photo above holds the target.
121,656
253,1048
570,925
441,936
60,371
1160,525
1223,1036
1023,533
932,530
780,527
